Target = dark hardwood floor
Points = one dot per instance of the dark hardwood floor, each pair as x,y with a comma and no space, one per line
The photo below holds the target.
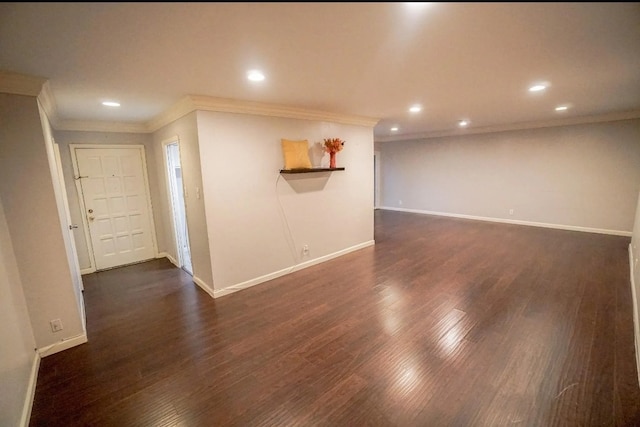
444,322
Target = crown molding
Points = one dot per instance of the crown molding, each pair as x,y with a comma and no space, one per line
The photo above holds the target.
192,103
20,84
48,103
206,103
181,108
610,117
100,126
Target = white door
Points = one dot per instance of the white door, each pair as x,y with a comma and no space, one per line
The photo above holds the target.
116,203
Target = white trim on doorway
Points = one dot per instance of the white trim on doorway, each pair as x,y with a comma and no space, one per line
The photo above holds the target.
377,180
179,222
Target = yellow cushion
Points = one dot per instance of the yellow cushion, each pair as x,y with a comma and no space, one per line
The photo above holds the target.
296,154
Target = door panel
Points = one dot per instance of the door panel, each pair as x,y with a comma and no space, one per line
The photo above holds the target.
116,205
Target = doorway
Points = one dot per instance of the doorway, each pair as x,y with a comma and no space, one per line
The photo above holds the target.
176,194
114,195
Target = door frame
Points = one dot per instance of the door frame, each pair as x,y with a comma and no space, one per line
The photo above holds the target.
169,141
376,179
83,208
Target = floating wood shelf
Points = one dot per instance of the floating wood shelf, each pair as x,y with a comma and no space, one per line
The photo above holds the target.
309,170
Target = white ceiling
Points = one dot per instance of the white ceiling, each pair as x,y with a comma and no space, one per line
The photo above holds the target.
458,60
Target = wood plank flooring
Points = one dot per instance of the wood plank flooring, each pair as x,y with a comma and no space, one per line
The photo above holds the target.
444,322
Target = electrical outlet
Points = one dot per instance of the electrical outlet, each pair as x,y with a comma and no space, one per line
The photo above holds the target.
56,325
399,202
305,250
510,211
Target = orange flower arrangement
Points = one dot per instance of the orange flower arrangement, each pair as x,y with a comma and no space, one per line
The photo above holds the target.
332,146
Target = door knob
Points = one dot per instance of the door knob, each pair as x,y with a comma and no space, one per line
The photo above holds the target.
91,218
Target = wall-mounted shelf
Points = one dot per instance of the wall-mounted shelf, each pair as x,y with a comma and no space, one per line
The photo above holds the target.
309,170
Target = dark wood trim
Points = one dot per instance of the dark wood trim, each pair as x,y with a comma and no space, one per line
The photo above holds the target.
310,170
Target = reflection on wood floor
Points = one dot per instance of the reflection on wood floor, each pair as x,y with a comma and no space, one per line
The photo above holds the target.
444,322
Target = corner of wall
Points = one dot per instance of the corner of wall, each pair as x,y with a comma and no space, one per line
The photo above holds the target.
636,324
168,256
63,344
204,286
31,391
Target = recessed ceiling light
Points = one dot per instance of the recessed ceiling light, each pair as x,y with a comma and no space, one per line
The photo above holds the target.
561,108
394,129
463,123
255,75
111,104
538,87
415,108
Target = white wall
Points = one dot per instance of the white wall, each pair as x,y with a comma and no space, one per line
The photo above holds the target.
584,176
186,130
64,139
31,213
258,220
17,345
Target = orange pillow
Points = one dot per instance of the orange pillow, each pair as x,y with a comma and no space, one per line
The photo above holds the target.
296,154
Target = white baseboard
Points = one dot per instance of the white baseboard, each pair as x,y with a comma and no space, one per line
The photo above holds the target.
63,344
333,255
636,324
171,259
31,392
198,281
217,293
89,270
514,221
204,286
